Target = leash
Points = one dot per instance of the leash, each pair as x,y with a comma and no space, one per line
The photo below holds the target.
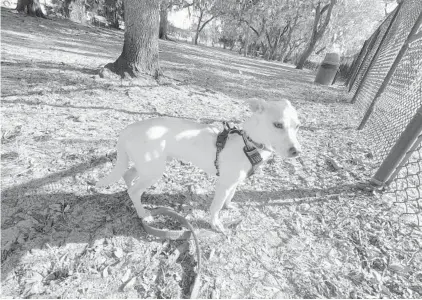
178,235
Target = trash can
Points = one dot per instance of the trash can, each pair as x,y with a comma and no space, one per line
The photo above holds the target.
328,69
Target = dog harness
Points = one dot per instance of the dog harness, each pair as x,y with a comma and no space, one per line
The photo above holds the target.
250,148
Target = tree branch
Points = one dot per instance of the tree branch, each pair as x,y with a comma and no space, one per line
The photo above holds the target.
250,26
285,28
321,29
206,22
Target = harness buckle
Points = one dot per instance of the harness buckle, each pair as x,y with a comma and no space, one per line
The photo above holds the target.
253,155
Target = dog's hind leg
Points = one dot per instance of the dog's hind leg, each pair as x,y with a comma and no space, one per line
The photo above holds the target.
222,193
149,174
129,176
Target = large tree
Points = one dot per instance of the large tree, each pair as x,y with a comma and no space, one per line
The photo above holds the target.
32,7
140,48
319,25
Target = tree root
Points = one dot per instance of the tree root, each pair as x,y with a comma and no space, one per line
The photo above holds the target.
122,69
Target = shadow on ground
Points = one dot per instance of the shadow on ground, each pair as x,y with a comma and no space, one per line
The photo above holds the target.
66,218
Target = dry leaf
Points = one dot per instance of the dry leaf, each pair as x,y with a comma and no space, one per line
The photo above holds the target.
127,275
105,272
398,268
130,283
118,252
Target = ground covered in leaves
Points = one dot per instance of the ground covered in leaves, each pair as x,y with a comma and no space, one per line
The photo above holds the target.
304,228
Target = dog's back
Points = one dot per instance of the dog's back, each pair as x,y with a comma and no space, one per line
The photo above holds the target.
157,139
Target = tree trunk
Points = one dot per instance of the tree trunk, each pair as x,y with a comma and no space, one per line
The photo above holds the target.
274,47
305,54
201,14
200,27
33,8
289,37
163,20
66,10
247,35
317,30
140,48
264,50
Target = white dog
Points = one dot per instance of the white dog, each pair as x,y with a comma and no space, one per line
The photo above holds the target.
149,143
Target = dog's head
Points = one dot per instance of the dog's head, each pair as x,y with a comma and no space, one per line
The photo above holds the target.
275,124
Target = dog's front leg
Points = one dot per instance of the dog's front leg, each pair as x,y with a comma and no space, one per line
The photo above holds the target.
223,192
227,203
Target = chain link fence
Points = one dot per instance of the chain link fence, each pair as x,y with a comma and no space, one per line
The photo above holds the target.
387,84
367,53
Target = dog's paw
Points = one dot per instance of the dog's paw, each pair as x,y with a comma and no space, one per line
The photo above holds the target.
145,215
218,226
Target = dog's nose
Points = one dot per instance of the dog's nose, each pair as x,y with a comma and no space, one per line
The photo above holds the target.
293,151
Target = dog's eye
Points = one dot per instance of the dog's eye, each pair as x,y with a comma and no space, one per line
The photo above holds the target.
278,125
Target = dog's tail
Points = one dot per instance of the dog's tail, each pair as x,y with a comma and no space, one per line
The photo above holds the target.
119,169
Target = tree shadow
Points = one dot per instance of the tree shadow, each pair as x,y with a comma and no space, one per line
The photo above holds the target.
154,114
35,219
85,224
98,215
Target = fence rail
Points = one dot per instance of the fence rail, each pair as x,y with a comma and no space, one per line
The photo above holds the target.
386,82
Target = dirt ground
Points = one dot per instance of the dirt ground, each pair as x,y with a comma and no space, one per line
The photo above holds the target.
305,228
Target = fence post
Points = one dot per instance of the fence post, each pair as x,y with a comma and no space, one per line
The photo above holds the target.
393,68
374,58
354,64
358,68
399,152
371,41
371,44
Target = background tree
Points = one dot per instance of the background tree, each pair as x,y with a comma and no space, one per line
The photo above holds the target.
229,33
32,8
268,26
140,48
165,5
207,10
320,23
113,11
350,25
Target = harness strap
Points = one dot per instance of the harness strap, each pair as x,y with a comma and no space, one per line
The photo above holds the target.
250,151
220,143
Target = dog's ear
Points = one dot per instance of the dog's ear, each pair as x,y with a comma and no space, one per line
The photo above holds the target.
257,105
